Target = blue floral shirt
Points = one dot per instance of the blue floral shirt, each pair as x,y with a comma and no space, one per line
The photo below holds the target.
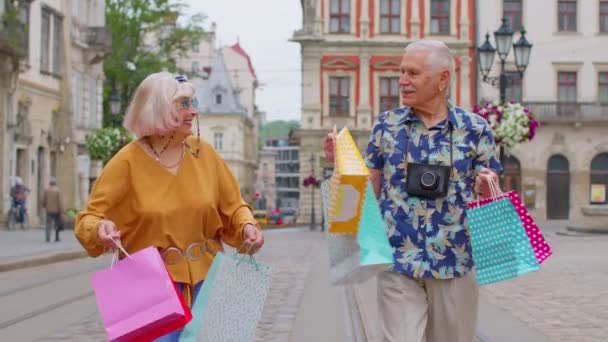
430,237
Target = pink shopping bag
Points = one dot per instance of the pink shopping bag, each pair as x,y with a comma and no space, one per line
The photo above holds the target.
137,298
541,248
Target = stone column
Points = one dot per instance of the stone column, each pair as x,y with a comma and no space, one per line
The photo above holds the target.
415,20
364,20
464,20
364,110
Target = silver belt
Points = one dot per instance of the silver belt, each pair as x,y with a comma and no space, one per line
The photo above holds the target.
195,251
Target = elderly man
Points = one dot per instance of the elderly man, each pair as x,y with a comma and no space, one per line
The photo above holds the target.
426,160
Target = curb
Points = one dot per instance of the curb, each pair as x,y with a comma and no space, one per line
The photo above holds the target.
40,260
587,230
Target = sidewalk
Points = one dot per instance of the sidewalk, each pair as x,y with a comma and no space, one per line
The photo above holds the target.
27,248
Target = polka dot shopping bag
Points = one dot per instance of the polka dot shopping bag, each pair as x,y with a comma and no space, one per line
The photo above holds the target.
541,248
501,248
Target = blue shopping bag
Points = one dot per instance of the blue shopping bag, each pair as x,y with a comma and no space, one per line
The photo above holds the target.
230,302
501,248
355,258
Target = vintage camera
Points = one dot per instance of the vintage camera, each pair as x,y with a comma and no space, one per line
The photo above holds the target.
428,181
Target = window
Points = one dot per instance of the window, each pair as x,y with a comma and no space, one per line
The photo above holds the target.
599,178
440,16
77,92
389,93
195,46
50,42
57,30
339,16
339,96
24,17
512,10
566,86
45,41
604,16
218,98
93,102
195,67
390,16
218,141
603,87
567,15
514,91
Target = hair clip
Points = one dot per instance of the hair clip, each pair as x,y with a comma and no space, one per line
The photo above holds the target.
181,78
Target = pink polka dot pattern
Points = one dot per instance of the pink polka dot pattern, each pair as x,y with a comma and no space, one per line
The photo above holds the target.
541,248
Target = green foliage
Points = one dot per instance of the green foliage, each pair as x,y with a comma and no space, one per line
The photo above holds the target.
277,128
144,35
103,143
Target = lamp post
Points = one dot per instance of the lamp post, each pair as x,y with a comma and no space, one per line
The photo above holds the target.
115,104
503,38
312,173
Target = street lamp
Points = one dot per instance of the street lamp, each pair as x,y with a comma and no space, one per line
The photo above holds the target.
486,52
115,104
504,41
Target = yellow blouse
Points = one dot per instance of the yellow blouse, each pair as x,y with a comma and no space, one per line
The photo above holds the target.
153,207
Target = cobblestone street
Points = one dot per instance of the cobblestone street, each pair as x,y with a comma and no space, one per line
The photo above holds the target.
567,300
290,252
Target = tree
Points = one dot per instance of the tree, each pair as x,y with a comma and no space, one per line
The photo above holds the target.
146,38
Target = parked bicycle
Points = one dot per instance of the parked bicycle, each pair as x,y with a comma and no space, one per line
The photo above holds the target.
17,216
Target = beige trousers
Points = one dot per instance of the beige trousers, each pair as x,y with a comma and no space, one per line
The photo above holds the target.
427,310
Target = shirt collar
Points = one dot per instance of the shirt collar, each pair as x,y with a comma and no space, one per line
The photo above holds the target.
408,116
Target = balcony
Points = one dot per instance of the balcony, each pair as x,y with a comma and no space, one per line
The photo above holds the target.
99,42
569,111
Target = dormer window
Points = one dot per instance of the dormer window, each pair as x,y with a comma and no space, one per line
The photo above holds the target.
218,98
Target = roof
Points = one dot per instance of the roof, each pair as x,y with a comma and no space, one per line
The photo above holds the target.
239,49
218,83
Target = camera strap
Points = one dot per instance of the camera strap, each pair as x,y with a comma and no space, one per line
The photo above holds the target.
407,145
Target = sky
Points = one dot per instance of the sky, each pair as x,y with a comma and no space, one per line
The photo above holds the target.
263,28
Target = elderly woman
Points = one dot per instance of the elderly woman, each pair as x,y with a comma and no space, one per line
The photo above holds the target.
168,189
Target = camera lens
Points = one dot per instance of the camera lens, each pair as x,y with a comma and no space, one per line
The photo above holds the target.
429,180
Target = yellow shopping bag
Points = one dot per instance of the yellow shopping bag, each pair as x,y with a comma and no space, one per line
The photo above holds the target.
347,185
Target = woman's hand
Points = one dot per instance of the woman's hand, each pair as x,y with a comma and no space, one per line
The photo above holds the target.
107,234
253,238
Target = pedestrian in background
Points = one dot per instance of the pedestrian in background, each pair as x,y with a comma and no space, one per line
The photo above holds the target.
53,206
169,190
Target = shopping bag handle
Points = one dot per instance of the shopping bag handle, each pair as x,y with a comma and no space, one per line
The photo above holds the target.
244,255
115,254
495,191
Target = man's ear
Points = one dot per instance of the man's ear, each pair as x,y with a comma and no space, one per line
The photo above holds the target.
444,80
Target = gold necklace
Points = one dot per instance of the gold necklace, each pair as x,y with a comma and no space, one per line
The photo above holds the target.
158,154
170,166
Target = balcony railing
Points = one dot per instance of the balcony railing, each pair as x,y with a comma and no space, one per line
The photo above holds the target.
99,38
569,111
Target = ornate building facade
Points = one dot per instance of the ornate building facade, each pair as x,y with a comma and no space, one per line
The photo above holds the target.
563,173
351,54
57,101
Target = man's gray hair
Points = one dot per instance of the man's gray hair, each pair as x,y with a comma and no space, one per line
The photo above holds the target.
440,55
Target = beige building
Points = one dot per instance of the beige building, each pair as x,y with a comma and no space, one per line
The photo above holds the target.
563,172
265,183
351,53
58,100
226,124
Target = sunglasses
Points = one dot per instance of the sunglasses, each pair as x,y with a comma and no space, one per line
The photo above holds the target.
187,103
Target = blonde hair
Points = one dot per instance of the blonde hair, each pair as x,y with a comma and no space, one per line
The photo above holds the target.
152,108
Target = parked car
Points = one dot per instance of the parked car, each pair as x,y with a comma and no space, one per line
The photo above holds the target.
261,216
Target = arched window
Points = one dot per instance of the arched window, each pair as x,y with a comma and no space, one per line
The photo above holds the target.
599,178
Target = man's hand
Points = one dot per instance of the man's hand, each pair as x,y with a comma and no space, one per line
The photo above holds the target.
253,238
329,146
482,183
